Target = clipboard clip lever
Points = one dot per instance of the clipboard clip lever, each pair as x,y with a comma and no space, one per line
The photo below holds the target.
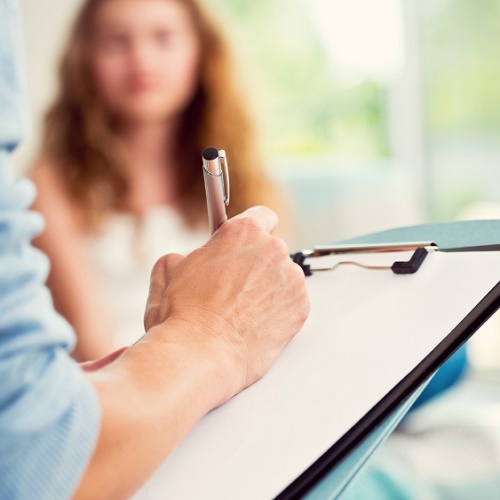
411,266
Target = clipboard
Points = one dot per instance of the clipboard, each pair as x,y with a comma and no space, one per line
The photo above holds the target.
414,382
206,464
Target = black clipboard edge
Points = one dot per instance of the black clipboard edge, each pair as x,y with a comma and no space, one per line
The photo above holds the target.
389,403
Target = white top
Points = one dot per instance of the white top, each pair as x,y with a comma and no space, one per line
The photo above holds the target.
122,256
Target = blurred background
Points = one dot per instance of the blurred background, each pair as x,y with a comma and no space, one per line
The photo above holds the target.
373,113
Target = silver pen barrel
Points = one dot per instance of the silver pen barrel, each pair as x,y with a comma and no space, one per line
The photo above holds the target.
214,188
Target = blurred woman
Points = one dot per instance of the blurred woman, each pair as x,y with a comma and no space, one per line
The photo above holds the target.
145,85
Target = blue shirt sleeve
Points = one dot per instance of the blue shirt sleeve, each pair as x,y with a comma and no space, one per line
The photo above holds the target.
49,413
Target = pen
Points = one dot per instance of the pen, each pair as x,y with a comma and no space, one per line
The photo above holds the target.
216,179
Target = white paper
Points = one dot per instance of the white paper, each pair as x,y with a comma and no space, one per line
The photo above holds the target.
366,331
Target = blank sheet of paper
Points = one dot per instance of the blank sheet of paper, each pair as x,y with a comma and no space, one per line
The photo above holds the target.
367,330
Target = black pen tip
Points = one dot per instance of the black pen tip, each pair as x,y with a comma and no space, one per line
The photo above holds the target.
210,153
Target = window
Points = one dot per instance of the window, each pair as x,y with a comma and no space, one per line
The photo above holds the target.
323,71
460,53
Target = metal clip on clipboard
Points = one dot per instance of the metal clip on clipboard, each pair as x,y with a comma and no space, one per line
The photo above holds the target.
420,252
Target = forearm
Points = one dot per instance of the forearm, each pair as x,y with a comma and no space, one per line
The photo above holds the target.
151,397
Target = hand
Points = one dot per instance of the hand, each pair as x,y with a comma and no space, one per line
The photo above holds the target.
240,296
216,320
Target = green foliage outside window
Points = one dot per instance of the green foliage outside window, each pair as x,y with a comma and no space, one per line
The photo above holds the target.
461,65
304,107
460,53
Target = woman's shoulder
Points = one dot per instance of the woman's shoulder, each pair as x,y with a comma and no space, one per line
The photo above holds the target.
44,172
53,199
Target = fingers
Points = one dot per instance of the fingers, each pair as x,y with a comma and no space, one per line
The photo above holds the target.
264,217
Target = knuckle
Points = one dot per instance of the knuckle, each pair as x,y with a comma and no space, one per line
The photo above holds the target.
279,249
297,273
166,261
163,268
240,229
276,251
246,225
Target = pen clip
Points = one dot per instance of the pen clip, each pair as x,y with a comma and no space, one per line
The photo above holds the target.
225,175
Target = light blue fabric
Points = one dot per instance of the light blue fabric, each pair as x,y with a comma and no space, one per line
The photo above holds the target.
49,413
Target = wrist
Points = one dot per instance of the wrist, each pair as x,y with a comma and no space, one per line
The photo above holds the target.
151,396
203,353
